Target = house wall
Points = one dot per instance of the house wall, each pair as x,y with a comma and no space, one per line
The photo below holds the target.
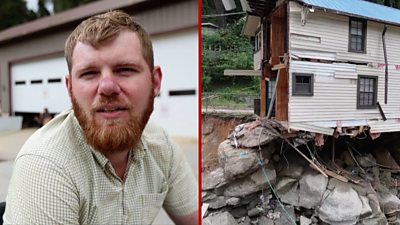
258,54
325,36
257,60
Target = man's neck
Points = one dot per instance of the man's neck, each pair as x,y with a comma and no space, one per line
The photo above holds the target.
119,161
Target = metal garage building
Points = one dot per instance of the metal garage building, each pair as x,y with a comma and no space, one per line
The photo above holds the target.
33,68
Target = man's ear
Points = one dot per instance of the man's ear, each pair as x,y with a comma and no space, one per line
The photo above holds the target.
157,77
68,84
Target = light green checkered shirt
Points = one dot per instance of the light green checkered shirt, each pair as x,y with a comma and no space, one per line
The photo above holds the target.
59,179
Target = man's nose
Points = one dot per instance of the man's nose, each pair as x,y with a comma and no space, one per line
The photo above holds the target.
108,85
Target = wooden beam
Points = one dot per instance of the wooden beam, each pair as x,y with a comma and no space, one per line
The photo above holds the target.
279,66
263,95
282,96
253,73
278,34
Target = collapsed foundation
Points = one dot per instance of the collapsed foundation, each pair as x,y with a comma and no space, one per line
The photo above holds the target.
261,174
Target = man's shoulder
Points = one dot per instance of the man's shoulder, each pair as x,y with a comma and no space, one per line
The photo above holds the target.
54,141
154,131
157,142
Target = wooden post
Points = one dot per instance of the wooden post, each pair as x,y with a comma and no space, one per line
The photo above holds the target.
263,97
282,96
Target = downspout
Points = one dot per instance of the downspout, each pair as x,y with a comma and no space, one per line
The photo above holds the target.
386,62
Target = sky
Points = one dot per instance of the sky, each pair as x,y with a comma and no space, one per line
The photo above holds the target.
32,4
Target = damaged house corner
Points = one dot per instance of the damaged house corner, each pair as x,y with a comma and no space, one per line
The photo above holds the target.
325,148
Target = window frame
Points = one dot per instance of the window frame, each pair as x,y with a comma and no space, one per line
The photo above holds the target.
295,92
258,40
364,35
375,92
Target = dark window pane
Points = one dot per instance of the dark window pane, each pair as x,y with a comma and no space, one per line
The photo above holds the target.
362,99
36,81
19,82
370,98
54,80
371,86
302,84
182,92
303,88
367,91
359,44
357,35
353,30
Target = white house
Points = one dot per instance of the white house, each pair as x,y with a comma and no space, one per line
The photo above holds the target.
333,63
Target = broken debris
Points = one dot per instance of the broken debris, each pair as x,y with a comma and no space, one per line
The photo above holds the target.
267,176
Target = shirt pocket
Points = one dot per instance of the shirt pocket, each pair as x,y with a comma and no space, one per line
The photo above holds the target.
151,205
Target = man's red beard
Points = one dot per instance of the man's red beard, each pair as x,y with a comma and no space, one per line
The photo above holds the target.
113,135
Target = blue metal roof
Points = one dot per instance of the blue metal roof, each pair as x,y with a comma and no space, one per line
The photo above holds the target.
359,8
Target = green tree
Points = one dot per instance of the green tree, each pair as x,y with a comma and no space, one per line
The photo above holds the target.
42,10
13,12
61,5
225,49
390,3
215,7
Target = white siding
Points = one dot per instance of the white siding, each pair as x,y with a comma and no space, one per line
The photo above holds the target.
335,84
257,60
257,56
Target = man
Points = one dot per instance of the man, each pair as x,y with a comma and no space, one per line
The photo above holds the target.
102,163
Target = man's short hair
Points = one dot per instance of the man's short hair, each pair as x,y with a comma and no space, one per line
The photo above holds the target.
102,27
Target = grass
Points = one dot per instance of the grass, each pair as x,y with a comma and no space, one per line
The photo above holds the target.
239,94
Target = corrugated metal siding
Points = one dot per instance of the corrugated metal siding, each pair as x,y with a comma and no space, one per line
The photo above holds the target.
336,99
169,18
359,8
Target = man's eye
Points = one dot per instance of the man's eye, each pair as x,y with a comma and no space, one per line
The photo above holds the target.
88,73
125,70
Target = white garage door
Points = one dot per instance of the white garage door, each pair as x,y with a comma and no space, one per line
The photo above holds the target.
41,83
38,84
176,109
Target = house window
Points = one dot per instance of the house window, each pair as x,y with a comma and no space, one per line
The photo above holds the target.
257,41
357,33
271,87
367,91
303,84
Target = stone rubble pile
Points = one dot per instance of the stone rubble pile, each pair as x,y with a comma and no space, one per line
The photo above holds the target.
261,180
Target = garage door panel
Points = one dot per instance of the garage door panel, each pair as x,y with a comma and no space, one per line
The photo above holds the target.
38,84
